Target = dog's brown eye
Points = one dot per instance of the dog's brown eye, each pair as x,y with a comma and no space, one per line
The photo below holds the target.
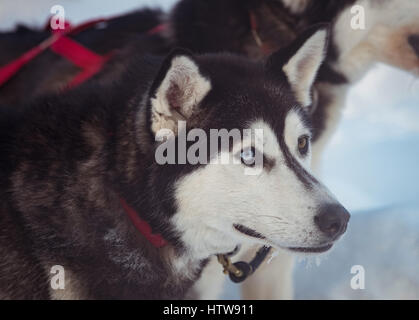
303,143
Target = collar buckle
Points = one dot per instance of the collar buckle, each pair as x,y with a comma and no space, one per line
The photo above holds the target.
239,271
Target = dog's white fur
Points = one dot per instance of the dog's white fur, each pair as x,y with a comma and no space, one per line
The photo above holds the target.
275,203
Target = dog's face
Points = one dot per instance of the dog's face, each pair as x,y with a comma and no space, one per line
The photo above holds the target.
264,192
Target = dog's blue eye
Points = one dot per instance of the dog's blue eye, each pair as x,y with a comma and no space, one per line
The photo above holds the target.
248,156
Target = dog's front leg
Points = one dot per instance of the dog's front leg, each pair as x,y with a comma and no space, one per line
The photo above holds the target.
272,280
209,286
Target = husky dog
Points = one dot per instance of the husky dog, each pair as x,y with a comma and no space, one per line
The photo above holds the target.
254,28
72,164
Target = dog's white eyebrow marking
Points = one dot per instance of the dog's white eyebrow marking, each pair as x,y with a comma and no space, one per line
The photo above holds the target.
270,141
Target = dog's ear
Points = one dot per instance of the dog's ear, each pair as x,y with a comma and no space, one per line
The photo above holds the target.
176,91
301,61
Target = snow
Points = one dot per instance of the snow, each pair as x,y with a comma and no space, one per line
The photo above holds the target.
385,242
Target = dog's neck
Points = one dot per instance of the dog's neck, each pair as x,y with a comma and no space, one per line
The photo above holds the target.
132,178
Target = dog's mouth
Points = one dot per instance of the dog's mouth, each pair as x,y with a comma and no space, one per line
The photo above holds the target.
248,232
254,234
312,249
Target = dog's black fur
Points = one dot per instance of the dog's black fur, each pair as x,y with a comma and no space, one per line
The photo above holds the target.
219,25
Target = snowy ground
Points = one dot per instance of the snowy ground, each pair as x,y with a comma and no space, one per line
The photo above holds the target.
371,163
385,242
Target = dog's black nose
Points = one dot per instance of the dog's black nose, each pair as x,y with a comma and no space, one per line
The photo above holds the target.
414,43
332,220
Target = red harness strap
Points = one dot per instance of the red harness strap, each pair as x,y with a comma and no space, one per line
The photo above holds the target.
254,30
89,61
10,69
155,239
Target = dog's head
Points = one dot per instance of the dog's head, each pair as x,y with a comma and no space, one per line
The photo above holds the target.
396,34
264,192
389,34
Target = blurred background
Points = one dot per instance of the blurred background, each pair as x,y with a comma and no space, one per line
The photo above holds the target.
371,165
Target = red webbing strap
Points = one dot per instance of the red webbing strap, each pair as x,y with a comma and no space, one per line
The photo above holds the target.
157,29
142,226
266,50
82,57
10,69
89,61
